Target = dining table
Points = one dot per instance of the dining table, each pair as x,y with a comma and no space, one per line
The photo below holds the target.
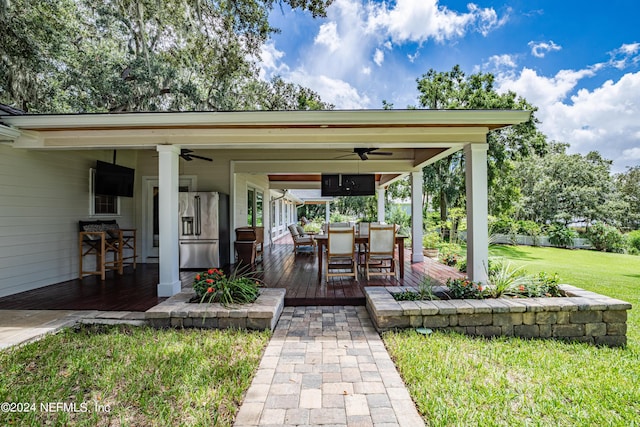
322,239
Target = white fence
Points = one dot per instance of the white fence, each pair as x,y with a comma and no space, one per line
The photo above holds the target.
521,239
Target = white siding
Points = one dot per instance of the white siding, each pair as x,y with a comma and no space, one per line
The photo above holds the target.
43,195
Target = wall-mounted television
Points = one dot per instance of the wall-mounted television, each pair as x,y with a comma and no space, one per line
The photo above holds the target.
348,185
113,180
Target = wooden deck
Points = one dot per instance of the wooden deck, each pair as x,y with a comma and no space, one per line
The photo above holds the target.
280,268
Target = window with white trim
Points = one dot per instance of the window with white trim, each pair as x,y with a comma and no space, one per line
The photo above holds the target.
100,204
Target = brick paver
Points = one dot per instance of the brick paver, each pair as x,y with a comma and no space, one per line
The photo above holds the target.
327,366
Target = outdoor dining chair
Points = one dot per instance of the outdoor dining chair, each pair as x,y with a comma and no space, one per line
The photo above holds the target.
341,253
380,255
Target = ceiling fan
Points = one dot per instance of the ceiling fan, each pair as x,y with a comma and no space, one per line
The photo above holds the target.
364,153
185,153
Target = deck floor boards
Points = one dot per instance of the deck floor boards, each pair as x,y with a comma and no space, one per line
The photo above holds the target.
279,268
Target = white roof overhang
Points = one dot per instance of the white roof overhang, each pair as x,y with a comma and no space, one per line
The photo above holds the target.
416,137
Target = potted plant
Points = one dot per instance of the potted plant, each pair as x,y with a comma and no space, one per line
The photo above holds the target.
430,243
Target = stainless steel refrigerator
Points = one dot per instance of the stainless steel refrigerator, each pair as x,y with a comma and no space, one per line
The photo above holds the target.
204,230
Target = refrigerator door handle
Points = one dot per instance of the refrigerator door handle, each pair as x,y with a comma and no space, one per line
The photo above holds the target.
198,218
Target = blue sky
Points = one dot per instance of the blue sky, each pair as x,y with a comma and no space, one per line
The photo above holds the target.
577,61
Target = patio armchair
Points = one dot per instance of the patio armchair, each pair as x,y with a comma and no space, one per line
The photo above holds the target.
380,256
341,253
300,239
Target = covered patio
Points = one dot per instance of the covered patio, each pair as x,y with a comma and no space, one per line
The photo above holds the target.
280,268
260,153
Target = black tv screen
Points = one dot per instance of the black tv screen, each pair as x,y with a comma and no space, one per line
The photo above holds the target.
348,185
114,180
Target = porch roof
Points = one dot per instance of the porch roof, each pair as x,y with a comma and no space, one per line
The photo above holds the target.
274,142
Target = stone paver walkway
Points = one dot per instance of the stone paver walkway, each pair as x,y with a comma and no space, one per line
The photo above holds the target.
327,366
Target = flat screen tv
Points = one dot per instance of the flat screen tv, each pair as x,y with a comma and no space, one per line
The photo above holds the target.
113,180
348,185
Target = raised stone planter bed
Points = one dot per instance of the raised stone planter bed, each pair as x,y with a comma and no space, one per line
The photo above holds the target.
580,316
178,312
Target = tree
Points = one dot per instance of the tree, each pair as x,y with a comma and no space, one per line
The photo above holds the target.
140,55
567,188
445,178
628,186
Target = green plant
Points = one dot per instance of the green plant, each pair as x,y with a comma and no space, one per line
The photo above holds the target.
505,279
431,240
466,289
425,291
605,237
633,240
214,286
450,253
561,236
312,227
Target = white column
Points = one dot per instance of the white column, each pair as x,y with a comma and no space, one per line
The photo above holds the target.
327,212
381,192
168,205
416,217
477,211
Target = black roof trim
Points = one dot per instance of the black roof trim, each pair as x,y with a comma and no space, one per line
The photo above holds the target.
10,110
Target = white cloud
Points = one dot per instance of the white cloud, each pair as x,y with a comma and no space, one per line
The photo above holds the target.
632,153
378,57
540,90
499,62
334,91
540,49
603,119
270,61
625,55
420,20
366,71
328,36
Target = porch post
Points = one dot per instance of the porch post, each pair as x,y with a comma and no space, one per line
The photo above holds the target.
416,217
381,192
477,211
327,212
168,205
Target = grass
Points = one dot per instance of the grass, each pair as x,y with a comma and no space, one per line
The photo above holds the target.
460,380
141,375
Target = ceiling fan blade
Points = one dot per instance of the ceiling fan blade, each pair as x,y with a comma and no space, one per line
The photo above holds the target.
208,159
345,156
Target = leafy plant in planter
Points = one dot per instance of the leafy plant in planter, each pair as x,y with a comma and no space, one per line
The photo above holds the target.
424,292
430,242
214,286
466,289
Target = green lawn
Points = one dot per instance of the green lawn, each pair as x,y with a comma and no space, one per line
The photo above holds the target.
135,376
460,380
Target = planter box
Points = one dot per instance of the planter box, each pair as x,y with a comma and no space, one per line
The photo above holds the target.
178,312
580,316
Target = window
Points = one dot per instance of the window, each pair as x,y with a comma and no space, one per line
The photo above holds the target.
255,211
100,204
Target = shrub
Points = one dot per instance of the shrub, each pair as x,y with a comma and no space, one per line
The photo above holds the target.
605,237
633,241
466,289
431,240
561,236
450,253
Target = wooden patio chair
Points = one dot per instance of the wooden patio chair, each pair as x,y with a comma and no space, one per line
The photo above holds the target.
341,253
380,256
301,239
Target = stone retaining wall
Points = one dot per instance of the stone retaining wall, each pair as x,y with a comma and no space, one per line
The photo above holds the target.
177,312
580,316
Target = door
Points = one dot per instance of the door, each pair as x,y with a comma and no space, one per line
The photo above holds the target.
150,215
